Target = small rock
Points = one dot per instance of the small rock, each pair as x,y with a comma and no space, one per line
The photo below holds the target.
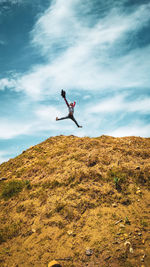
128,246
131,250
137,230
143,257
33,230
138,192
118,249
116,242
118,221
89,252
3,179
122,225
127,243
143,241
119,233
114,205
107,258
69,232
53,264
125,235
137,168
139,234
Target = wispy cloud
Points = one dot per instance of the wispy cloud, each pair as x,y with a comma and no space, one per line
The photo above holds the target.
42,118
7,83
121,103
84,57
10,129
135,129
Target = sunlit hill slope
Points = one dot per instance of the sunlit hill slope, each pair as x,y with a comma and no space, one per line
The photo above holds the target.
80,201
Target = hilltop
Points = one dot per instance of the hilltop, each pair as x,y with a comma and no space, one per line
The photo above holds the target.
84,201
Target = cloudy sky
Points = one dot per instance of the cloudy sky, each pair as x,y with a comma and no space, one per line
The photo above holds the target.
96,50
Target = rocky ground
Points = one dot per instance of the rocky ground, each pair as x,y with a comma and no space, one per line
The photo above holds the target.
80,201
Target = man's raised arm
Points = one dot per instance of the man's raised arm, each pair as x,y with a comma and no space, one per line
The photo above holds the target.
63,94
66,101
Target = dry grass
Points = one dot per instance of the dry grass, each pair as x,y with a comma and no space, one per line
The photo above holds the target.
58,201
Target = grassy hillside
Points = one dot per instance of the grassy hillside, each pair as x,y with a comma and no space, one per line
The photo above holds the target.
82,201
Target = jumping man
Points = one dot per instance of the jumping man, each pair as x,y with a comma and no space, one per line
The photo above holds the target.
71,110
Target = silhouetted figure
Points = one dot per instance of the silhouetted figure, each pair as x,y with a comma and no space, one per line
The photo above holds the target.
71,110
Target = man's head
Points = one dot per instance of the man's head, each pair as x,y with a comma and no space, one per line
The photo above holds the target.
71,104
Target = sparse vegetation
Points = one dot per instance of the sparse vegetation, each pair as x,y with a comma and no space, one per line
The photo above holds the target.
9,231
59,207
20,208
127,221
144,223
69,194
119,178
11,189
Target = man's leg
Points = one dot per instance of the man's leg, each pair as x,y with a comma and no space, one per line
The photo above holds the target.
72,118
63,118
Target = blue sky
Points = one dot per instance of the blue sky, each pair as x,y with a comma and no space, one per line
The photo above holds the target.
98,51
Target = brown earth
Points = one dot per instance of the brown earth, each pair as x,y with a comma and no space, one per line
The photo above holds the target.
69,197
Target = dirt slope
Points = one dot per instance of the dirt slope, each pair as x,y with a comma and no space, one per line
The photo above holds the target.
83,201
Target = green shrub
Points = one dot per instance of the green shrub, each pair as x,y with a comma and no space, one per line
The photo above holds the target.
51,185
9,231
127,221
13,188
119,178
117,183
27,184
55,184
144,223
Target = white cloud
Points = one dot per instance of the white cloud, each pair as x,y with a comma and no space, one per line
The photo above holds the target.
7,83
136,129
58,22
42,118
62,25
121,103
48,113
80,56
10,129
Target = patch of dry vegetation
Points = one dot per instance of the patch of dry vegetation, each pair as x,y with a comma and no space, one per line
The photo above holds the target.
69,194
